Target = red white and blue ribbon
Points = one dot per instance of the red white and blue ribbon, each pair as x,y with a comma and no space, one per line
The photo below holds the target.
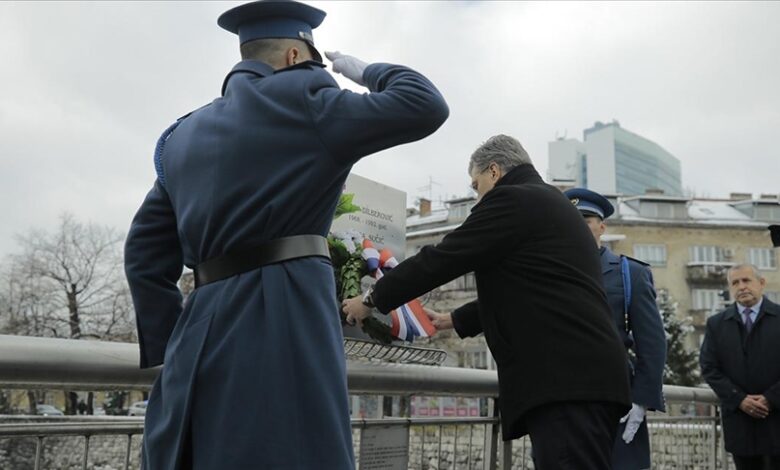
409,320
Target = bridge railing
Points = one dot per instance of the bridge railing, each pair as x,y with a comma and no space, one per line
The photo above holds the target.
421,443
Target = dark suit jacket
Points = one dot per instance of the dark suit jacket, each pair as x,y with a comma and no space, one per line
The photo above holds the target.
736,364
541,302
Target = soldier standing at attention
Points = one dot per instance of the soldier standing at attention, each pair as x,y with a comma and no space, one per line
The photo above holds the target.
254,369
631,296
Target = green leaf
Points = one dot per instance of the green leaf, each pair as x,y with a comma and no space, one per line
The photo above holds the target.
345,205
338,251
349,269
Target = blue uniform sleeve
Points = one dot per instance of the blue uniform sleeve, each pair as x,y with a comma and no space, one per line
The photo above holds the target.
466,320
649,341
403,106
153,266
728,392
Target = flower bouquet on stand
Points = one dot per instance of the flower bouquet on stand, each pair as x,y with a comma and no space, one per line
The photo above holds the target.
357,262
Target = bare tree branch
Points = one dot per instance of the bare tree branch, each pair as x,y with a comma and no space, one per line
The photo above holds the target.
67,283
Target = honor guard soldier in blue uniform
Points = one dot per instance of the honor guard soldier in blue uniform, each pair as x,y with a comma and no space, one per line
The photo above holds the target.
631,294
254,371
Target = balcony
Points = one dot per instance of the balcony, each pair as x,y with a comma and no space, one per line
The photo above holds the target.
708,273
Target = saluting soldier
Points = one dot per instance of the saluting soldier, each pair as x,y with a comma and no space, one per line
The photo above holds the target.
631,294
254,371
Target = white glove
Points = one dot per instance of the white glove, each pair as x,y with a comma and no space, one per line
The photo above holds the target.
350,67
634,417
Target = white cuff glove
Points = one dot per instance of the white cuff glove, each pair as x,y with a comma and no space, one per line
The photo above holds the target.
634,417
350,67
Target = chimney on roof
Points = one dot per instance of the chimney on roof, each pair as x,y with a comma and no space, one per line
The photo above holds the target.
425,207
740,196
654,191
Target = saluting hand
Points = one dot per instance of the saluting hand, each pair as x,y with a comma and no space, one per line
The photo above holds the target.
442,321
350,67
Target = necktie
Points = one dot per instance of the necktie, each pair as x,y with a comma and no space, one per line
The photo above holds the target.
748,320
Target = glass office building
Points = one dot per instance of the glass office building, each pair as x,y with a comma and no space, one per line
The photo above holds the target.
613,160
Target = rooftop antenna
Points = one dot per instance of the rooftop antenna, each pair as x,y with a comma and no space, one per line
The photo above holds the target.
429,187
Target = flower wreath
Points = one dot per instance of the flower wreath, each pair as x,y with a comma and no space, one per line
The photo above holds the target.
353,257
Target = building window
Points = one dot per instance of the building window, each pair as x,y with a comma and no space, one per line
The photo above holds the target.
472,359
460,211
654,255
762,258
463,283
707,254
663,210
767,212
773,296
706,299
467,282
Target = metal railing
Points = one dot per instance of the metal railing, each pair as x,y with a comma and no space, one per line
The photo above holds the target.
432,443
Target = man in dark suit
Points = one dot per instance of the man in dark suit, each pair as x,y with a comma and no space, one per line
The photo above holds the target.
561,368
631,295
740,360
255,374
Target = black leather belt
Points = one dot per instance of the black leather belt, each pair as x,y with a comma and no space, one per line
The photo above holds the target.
249,259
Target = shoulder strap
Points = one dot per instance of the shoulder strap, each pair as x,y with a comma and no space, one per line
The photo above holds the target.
158,150
625,272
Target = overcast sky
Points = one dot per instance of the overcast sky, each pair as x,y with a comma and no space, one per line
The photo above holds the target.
87,88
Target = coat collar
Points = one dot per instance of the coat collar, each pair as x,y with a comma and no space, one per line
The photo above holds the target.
608,260
767,307
525,173
731,312
261,69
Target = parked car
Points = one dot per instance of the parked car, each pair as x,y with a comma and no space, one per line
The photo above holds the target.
137,409
48,410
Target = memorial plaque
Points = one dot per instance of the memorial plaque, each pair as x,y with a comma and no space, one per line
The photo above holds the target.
384,447
382,216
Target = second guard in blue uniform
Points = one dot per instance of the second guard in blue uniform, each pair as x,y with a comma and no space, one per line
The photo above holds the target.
631,295
254,369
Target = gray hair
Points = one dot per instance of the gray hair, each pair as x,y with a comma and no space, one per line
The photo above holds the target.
752,267
504,151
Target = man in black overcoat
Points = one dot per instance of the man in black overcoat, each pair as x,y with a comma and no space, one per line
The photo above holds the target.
740,360
561,367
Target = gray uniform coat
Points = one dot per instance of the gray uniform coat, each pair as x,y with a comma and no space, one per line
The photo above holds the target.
254,370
